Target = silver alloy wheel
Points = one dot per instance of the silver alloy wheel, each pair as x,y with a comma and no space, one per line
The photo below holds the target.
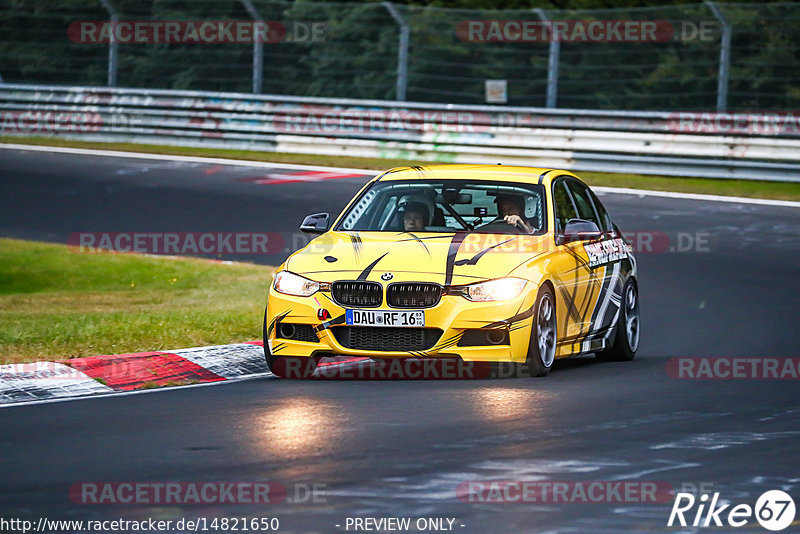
632,317
546,330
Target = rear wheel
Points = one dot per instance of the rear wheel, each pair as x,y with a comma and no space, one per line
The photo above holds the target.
625,341
542,347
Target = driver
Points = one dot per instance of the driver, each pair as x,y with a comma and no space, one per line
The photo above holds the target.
510,209
415,217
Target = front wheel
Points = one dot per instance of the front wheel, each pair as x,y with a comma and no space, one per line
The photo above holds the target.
625,341
287,366
542,347
268,356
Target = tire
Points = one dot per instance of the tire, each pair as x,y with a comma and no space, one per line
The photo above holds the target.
286,366
270,359
625,341
544,331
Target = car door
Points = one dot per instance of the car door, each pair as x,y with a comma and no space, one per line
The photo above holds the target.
576,282
616,270
604,257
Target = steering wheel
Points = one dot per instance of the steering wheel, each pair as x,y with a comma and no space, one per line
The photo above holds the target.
501,227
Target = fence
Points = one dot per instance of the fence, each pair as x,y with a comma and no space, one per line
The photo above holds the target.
748,146
704,56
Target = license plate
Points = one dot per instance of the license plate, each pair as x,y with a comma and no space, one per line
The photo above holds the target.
414,318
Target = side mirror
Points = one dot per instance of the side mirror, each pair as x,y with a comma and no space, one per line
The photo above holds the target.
316,223
579,230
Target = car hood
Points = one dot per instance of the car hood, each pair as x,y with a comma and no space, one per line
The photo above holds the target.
448,259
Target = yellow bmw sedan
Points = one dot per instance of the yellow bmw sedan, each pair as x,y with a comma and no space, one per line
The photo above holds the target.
482,263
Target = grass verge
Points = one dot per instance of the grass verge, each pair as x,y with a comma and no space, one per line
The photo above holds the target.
739,188
57,304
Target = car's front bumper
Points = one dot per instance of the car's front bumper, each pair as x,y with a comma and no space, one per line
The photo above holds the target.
452,315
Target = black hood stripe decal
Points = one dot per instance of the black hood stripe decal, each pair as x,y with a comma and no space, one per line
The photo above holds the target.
418,240
474,259
455,244
365,273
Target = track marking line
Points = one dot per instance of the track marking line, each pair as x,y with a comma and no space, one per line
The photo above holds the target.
188,159
298,177
362,172
696,196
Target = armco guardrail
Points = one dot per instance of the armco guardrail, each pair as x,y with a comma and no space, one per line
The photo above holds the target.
747,146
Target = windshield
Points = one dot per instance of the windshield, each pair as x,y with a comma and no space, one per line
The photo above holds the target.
448,206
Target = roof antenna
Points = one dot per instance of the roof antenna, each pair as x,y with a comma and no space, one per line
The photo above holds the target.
499,163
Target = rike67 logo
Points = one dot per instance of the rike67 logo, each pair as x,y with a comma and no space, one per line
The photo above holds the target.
774,510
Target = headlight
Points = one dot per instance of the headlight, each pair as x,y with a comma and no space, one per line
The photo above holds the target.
292,284
500,289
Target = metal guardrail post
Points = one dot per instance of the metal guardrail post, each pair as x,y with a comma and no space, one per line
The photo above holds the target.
402,52
258,49
552,63
724,56
113,45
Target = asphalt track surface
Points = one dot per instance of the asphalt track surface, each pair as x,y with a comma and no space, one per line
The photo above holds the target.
400,449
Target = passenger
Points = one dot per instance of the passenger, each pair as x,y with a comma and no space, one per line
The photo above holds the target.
415,217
